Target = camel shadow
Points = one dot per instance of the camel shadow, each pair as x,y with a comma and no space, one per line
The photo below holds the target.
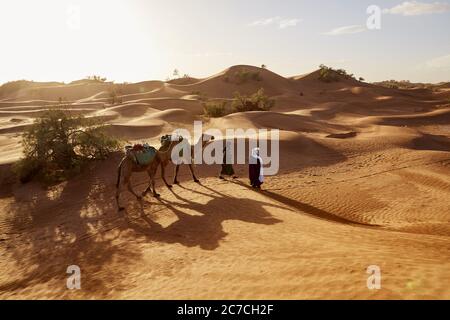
51,229
197,191
204,229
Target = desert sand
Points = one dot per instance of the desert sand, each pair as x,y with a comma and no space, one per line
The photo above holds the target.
364,180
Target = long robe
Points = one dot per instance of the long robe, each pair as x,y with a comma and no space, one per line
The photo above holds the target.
227,168
254,171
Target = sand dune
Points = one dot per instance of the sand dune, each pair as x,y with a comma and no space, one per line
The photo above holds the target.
129,110
174,116
226,83
273,120
135,130
363,181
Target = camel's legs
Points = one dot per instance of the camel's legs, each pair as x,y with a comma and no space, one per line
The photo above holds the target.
117,198
150,170
149,188
127,181
155,194
118,187
175,180
193,174
151,184
163,175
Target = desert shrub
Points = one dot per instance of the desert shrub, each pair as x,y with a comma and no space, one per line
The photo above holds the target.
90,80
200,95
115,96
96,78
403,84
215,109
243,76
328,74
256,102
58,144
255,76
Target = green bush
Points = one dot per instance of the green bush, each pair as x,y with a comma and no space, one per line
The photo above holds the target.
243,76
96,78
200,95
402,84
256,102
115,96
328,74
58,144
215,109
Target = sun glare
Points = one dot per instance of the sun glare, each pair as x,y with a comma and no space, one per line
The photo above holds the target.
68,40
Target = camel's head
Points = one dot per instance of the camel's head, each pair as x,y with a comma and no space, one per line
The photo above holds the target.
178,138
207,137
168,138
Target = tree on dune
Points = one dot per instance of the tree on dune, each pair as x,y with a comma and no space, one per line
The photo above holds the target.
58,144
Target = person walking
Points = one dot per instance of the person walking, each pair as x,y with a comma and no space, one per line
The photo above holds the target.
256,173
227,166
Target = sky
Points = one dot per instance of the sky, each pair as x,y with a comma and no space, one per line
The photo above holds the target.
136,40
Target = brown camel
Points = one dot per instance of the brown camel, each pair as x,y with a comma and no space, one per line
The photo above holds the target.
204,140
128,166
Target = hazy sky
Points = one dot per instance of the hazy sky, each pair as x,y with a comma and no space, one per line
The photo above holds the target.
133,40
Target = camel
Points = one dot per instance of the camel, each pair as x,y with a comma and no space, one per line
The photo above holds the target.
204,140
128,166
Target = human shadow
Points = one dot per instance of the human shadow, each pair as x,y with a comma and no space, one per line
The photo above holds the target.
431,142
304,207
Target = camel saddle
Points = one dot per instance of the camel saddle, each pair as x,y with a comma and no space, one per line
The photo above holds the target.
141,154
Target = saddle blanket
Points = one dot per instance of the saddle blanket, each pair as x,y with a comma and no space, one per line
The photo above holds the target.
142,154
